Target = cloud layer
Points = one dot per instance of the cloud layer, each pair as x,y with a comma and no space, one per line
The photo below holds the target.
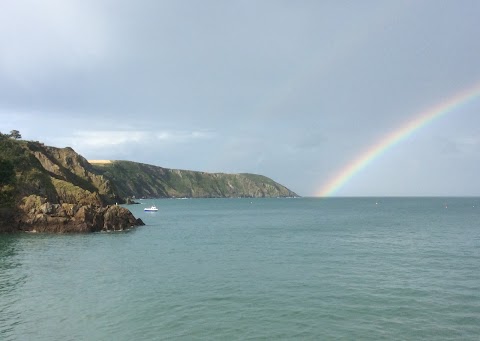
290,90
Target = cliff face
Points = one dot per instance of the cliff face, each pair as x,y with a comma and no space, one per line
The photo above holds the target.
47,189
142,180
67,167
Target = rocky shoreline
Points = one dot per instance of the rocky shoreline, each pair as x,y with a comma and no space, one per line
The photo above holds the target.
38,215
55,190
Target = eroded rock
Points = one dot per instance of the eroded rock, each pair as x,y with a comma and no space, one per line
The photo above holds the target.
35,214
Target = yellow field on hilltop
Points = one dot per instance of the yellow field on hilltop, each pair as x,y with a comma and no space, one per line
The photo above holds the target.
100,161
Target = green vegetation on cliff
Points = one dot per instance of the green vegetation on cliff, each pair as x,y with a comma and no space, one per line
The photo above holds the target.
142,180
21,175
57,174
33,175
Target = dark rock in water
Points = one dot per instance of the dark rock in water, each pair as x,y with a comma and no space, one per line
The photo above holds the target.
130,201
7,219
119,218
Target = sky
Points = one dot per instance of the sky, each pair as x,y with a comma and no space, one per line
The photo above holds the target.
293,90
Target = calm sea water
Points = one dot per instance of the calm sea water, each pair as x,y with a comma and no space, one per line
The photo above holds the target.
253,269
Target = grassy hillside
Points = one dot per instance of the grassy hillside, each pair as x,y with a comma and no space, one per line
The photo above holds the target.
142,180
26,174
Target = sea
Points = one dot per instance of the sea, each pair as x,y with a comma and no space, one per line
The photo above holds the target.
253,269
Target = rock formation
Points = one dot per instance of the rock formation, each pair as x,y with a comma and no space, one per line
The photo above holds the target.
47,189
38,215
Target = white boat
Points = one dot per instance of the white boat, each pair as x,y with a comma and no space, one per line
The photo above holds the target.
151,209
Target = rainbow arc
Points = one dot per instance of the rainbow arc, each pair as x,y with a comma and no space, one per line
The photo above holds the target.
418,121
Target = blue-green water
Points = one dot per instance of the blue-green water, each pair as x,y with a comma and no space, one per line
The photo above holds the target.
248,269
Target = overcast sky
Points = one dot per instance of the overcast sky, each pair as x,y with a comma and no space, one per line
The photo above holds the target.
293,90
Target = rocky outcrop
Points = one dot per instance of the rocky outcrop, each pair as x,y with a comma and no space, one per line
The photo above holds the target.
38,215
119,218
47,189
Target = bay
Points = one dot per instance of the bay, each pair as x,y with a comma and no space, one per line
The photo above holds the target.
259,269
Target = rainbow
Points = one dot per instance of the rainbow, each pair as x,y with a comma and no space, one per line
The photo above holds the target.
419,120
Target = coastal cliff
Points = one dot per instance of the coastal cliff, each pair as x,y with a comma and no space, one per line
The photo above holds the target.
48,189
133,179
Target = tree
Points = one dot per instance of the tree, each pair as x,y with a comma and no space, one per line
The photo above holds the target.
15,134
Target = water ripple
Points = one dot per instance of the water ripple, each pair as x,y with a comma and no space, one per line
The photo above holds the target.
232,270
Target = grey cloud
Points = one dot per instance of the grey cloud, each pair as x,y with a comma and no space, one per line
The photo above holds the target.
293,90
